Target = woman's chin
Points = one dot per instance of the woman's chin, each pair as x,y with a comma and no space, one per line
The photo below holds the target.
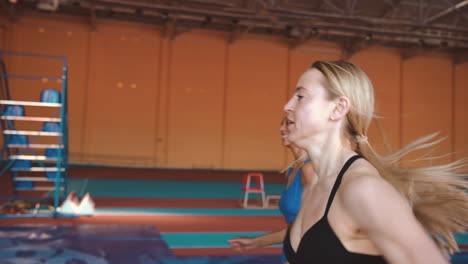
291,139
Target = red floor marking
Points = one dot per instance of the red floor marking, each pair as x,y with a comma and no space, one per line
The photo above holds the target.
171,223
166,203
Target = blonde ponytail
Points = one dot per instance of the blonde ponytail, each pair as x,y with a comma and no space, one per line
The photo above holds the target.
437,194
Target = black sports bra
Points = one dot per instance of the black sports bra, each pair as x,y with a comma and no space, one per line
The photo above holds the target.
320,244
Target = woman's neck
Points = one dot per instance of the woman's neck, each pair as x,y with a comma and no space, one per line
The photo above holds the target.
329,154
298,153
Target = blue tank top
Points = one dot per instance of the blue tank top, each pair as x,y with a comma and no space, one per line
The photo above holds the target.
290,201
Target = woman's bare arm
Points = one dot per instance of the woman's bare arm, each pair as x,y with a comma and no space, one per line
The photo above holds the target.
381,212
246,243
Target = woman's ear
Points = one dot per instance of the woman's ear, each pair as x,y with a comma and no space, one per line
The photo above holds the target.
342,106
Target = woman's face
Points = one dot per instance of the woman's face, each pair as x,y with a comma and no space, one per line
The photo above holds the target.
309,110
284,133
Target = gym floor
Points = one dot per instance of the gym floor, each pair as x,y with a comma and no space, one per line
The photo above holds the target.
149,216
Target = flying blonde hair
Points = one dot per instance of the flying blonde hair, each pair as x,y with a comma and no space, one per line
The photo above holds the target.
437,194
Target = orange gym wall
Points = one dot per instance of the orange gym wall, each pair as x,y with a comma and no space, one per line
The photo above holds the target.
137,98
426,103
460,110
196,102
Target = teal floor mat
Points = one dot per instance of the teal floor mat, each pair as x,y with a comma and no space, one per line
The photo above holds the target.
163,188
201,240
461,238
220,239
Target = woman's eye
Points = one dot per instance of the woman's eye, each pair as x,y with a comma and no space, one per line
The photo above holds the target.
299,97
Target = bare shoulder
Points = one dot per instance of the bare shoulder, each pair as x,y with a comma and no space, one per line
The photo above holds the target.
361,176
363,188
307,174
378,210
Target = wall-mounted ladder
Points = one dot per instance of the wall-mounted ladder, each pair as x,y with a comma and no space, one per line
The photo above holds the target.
35,164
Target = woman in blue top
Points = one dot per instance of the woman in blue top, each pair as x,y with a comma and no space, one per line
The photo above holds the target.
298,175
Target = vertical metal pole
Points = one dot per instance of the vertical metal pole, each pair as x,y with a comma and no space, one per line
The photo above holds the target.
63,140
